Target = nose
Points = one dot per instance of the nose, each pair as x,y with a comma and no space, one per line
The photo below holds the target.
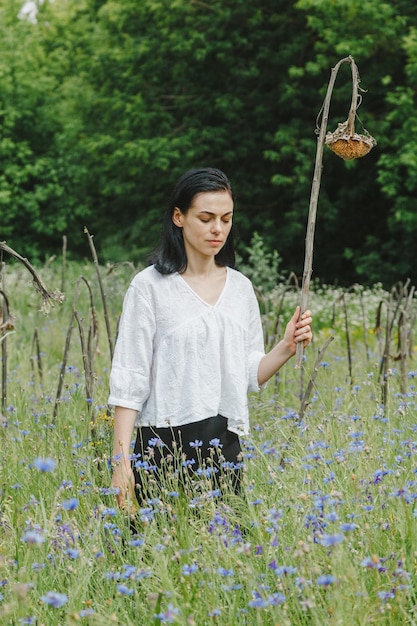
216,226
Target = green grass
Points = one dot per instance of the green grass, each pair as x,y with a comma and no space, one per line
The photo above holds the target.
324,532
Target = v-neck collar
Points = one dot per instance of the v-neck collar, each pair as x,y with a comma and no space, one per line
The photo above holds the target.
202,299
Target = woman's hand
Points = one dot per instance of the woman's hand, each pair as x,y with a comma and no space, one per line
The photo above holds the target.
298,330
123,480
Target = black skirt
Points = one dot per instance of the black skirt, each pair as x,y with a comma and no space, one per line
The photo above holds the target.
202,455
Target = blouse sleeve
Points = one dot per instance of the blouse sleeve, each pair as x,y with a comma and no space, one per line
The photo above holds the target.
256,342
132,361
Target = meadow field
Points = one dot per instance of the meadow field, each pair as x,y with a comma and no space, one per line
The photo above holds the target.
325,531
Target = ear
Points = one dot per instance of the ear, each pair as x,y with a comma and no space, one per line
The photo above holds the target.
177,217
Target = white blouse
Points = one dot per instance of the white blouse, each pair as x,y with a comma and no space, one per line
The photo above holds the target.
178,359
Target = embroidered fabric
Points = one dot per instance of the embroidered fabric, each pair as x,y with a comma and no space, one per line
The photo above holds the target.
178,359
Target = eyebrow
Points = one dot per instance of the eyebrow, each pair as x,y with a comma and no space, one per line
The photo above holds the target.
212,213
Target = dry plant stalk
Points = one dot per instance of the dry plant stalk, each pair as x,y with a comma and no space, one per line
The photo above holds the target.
310,386
103,295
49,298
37,357
342,299
306,396
87,347
398,307
352,145
4,331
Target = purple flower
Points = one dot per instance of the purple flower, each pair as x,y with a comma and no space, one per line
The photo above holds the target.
197,443
55,599
44,464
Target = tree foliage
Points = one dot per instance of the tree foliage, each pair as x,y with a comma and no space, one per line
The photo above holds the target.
104,104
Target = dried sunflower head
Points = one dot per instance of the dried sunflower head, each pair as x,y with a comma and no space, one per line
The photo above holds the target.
349,145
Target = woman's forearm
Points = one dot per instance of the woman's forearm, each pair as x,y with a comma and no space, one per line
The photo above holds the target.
297,330
273,361
124,423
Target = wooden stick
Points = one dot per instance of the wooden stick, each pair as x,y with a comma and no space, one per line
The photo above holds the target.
315,189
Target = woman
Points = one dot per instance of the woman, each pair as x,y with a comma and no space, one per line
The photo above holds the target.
190,347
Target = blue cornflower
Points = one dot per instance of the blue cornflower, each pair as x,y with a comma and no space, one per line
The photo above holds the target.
258,602
282,570
215,443
225,572
55,599
156,442
71,504
188,463
44,464
136,542
331,540
371,562
206,471
37,567
109,491
276,598
33,537
197,443
189,569
28,620
348,527
124,590
386,595
169,615
326,579
72,553
109,512
213,493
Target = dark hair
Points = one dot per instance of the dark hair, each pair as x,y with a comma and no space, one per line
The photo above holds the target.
170,256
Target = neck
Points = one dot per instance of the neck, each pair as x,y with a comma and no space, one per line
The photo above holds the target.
202,267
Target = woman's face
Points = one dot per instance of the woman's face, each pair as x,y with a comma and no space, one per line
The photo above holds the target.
207,223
